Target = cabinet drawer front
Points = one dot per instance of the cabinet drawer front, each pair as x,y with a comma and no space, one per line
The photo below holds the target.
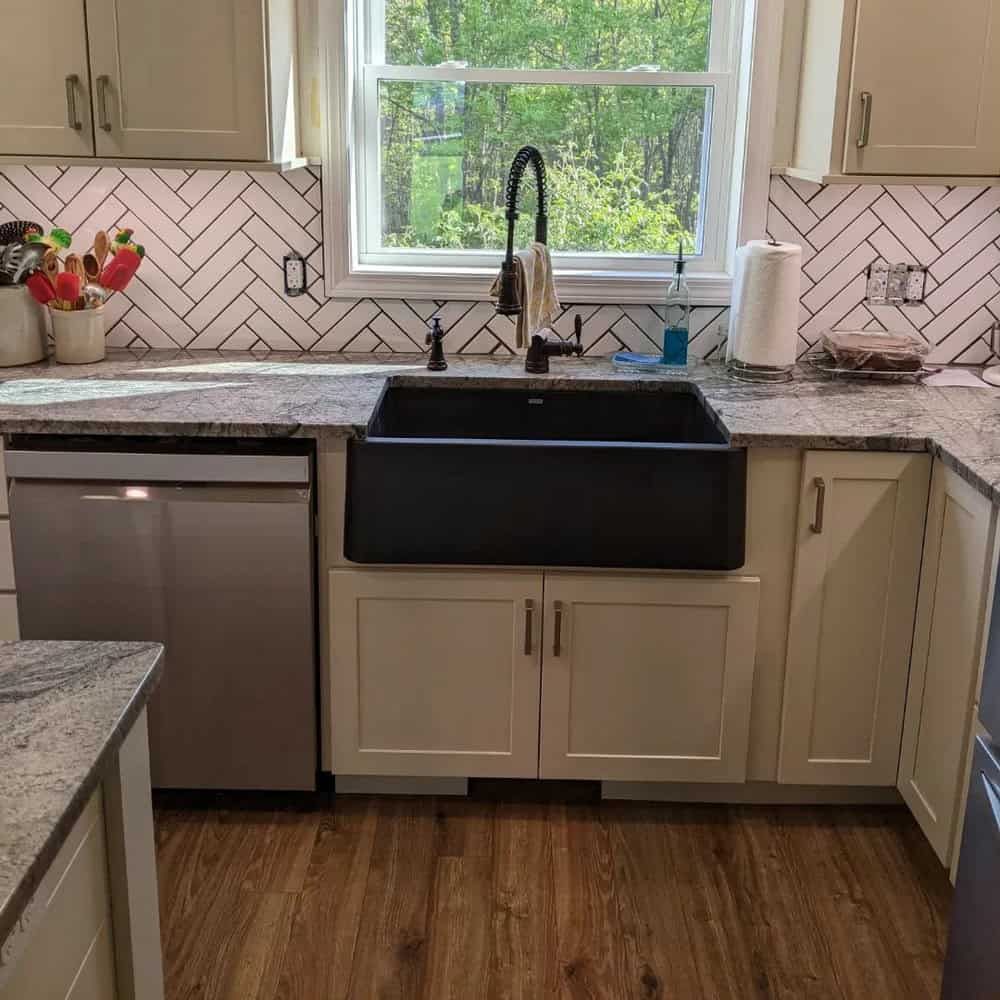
647,678
434,673
851,627
68,940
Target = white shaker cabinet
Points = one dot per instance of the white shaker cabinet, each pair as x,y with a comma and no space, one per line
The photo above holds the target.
92,928
894,87
180,79
647,678
45,101
857,565
159,80
70,950
435,673
932,71
954,583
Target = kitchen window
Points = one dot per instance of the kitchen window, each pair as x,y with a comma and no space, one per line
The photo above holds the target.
633,104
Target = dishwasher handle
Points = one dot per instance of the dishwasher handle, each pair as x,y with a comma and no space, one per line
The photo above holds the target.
139,493
153,467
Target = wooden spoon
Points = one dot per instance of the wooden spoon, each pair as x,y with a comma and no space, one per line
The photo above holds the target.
101,244
74,265
91,267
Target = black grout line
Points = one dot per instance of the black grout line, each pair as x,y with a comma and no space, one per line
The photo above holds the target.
795,229
267,194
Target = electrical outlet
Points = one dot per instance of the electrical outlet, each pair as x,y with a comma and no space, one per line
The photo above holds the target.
294,265
878,283
916,281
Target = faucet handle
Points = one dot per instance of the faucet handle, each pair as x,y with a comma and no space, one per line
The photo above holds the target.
436,362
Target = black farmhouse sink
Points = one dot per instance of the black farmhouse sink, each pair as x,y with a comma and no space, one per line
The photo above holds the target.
520,477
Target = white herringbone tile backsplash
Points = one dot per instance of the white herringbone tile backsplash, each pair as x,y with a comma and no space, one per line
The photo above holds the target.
215,239
954,232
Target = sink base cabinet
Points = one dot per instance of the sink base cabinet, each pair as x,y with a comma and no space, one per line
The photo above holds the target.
440,673
435,673
646,678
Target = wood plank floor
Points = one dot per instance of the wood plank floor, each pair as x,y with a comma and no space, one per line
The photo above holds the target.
455,899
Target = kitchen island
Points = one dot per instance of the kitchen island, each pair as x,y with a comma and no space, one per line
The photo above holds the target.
78,900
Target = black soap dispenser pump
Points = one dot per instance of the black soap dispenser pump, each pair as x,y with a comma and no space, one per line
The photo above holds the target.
436,362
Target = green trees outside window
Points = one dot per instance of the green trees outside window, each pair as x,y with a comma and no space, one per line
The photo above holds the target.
625,163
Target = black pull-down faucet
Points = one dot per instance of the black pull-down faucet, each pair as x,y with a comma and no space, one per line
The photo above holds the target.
509,298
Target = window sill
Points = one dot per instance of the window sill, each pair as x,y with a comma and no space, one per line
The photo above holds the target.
473,284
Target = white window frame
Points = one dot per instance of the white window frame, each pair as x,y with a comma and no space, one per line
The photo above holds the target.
745,42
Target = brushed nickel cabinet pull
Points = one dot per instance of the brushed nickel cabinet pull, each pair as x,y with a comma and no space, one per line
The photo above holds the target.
102,103
71,117
557,607
817,525
866,119
529,614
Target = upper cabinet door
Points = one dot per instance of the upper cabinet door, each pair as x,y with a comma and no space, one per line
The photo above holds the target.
45,99
854,595
179,78
932,71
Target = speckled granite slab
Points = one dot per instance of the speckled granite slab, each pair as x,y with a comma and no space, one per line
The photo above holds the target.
65,708
239,394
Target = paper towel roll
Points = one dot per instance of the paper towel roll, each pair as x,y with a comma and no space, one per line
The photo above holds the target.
765,311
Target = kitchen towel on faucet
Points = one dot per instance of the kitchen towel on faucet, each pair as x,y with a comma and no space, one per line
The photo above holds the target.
765,309
537,288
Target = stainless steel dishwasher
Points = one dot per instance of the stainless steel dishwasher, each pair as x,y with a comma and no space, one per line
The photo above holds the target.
206,548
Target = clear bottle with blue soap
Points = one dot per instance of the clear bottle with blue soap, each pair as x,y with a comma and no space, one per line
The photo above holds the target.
677,321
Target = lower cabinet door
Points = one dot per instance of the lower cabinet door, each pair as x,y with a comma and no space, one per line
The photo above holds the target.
435,673
947,646
647,678
854,595
65,948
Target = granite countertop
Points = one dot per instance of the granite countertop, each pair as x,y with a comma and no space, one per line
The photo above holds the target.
240,394
65,708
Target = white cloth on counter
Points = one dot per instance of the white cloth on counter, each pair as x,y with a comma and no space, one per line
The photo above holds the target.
536,288
957,377
765,308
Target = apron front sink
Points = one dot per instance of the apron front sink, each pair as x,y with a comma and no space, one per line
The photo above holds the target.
519,477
